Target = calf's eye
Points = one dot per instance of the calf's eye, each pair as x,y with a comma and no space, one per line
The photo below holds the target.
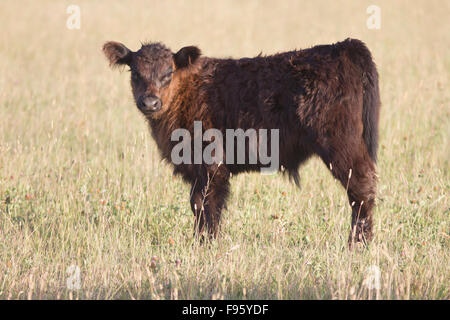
167,76
166,79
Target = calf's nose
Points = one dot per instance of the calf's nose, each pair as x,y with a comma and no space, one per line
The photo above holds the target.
151,103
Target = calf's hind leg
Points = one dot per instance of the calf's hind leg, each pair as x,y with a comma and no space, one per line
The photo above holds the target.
357,174
361,193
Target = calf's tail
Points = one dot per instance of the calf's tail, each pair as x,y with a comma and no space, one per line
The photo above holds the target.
361,56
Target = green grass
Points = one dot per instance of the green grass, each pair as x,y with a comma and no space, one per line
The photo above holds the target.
81,182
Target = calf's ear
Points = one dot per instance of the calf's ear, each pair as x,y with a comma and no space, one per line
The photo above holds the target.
117,53
186,56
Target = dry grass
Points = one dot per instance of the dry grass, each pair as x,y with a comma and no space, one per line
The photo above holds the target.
81,183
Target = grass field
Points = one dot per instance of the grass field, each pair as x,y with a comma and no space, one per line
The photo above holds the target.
81,183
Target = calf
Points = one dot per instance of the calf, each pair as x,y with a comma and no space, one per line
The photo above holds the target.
323,101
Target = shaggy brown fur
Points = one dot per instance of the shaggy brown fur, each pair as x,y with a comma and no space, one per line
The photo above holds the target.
324,100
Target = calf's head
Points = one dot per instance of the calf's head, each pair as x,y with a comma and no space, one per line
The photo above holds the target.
152,68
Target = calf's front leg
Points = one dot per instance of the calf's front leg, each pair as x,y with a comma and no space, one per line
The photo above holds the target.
209,193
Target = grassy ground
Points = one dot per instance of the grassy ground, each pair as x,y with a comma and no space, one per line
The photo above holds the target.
81,182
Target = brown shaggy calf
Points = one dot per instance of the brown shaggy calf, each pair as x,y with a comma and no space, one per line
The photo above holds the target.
324,101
